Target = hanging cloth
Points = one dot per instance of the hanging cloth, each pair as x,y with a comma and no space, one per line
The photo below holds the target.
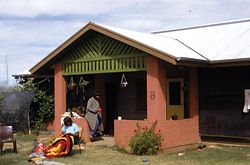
71,84
82,83
247,101
124,82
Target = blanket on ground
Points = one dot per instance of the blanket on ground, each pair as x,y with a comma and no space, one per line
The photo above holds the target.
61,146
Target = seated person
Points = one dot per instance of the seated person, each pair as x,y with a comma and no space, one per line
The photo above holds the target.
70,128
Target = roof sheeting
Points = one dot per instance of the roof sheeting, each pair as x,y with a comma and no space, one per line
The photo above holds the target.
22,74
225,41
166,45
165,48
219,42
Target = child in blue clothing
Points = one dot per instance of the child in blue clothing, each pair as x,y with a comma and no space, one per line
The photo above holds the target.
70,128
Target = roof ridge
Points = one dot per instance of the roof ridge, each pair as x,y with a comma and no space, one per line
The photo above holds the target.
202,26
181,42
193,49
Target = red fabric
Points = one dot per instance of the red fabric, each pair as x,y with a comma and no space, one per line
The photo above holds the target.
40,147
61,146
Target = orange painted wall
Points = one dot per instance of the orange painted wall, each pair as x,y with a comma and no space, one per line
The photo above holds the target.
60,97
51,125
82,122
156,89
175,132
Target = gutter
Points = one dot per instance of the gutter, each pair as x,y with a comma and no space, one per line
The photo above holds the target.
217,63
181,60
242,60
32,76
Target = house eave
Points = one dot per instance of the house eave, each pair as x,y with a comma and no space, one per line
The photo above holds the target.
92,26
230,62
191,62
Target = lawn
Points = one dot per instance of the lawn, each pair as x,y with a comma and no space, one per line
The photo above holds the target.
105,155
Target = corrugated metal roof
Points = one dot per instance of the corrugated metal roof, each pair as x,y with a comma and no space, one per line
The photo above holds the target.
165,44
224,41
23,73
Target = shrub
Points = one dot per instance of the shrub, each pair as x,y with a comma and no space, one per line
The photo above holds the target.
42,105
146,141
45,109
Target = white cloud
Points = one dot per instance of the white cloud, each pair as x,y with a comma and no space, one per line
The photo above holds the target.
27,42
167,14
30,29
31,8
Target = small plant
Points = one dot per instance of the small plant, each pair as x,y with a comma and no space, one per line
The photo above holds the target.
146,141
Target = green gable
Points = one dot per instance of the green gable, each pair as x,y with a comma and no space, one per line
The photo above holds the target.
96,53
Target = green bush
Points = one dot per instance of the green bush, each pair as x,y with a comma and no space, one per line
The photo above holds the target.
146,141
45,109
43,104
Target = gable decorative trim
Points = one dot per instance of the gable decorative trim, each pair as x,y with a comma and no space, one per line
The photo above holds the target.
97,53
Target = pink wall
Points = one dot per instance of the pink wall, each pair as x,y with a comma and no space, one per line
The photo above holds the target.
82,122
60,98
50,125
175,132
156,90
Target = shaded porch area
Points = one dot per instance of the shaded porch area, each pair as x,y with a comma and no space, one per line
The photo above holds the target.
222,100
127,102
181,131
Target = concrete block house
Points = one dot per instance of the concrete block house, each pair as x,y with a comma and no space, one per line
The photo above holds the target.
191,80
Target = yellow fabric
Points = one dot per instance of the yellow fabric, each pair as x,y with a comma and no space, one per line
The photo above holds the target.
55,149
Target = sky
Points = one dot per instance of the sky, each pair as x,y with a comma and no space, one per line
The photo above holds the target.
31,29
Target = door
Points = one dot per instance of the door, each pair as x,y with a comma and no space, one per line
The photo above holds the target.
111,107
175,98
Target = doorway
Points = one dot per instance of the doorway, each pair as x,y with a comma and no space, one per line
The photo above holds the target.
175,98
111,107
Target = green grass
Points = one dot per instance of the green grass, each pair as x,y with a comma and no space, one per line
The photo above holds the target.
104,155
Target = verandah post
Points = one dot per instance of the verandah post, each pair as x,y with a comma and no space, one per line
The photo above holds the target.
156,89
60,97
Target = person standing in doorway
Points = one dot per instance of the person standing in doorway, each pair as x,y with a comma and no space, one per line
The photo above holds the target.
93,116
